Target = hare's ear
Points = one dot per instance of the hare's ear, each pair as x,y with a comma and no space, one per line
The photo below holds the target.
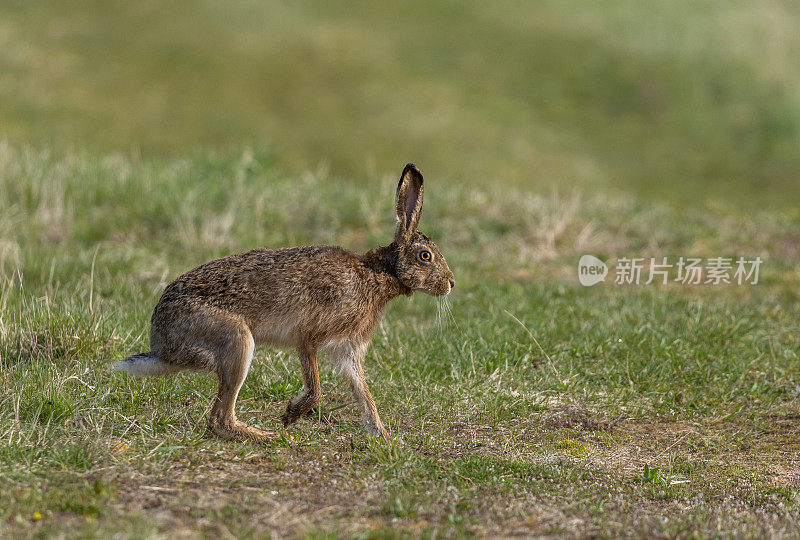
408,206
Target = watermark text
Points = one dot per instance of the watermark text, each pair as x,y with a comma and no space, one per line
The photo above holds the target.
663,270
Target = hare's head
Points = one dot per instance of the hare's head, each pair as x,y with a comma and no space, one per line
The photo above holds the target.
420,265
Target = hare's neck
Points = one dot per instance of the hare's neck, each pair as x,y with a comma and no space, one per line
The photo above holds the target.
382,261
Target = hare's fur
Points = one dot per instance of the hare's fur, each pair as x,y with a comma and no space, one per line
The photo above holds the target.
308,298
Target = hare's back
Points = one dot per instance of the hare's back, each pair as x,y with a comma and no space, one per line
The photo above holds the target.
291,288
289,271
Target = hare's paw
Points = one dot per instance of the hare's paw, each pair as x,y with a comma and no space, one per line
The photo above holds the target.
288,419
378,432
239,431
293,415
299,407
290,416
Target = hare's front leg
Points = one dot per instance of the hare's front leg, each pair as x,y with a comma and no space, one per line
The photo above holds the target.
306,401
349,360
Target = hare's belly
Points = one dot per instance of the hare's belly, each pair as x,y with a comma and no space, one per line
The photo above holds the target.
291,329
277,331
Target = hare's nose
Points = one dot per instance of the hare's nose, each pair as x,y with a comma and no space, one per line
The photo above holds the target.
452,283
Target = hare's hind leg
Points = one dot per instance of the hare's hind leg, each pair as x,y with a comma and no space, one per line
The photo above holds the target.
233,363
212,340
306,401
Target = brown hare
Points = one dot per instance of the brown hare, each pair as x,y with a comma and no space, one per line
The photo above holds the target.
310,298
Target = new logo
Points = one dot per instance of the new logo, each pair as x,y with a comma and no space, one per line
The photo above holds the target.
591,270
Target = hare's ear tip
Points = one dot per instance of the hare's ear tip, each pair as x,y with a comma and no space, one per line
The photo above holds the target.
410,168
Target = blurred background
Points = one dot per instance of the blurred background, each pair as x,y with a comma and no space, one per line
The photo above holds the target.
685,103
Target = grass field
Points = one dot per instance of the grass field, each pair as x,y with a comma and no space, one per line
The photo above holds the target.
139,139
668,99
493,434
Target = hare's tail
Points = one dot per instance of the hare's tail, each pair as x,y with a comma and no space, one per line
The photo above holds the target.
144,365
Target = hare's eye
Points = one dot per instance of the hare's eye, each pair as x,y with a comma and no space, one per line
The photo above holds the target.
424,255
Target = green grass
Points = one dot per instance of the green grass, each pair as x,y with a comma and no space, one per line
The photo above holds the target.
493,434
671,99
139,139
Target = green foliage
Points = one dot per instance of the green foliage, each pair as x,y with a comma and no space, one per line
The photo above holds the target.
541,407
653,475
666,99
481,407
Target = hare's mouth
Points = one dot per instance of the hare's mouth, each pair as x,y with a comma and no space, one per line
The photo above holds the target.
437,290
445,293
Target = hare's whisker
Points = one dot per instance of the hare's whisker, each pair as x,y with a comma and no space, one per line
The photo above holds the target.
449,312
